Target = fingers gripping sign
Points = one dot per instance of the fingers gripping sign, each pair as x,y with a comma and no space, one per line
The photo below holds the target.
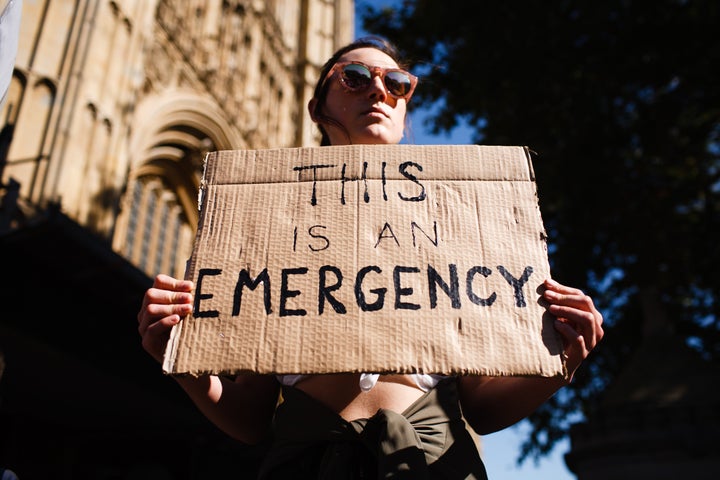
577,320
163,306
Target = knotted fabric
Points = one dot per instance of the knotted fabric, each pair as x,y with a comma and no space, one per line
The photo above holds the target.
429,440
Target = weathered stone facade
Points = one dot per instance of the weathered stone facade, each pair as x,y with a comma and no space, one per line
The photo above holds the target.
111,108
113,105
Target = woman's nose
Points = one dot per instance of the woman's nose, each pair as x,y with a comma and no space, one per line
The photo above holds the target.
377,88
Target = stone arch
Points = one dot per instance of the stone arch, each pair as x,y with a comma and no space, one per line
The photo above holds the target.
173,131
171,134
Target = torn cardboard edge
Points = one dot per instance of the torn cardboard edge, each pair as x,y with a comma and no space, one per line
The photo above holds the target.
368,258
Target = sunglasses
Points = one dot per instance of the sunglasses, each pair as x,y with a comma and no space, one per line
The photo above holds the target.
356,76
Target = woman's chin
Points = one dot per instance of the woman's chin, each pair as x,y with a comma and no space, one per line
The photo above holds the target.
376,136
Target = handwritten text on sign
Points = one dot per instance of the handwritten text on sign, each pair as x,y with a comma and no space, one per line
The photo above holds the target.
370,284
375,258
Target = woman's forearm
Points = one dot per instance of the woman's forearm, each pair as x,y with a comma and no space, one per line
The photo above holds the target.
242,408
491,404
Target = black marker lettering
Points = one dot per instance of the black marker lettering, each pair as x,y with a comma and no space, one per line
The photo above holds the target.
360,295
382,235
485,272
197,313
244,280
400,291
452,290
384,181
286,293
312,231
414,226
324,290
403,171
517,283
314,168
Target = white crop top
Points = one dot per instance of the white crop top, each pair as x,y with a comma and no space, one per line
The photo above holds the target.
425,382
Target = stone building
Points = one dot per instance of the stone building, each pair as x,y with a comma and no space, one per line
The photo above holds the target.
111,108
113,105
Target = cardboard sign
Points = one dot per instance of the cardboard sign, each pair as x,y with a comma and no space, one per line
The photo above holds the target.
368,258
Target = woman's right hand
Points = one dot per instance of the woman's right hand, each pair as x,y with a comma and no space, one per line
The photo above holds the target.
163,306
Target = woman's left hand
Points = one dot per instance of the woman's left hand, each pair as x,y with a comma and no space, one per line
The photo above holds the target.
576,319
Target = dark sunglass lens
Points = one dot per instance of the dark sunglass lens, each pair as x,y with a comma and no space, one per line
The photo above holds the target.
356,76
397,83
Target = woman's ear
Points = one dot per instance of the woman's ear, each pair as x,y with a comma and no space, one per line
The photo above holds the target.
312,105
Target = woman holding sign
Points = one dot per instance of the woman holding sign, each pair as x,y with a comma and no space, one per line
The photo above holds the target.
368,425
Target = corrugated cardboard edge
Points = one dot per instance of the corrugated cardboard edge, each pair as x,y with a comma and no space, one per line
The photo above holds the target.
531,170
168,364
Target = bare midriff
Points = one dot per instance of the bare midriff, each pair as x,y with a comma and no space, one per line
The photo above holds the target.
341,393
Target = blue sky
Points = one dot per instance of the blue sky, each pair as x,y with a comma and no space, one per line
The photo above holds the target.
500,450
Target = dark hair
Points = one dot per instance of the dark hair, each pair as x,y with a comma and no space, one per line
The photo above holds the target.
321,87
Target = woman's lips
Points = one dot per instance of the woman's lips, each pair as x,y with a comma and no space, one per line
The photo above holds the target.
376,111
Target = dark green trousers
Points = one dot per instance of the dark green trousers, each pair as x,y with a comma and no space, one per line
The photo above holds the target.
429,440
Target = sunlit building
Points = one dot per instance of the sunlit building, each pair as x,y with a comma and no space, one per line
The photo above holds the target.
111,109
